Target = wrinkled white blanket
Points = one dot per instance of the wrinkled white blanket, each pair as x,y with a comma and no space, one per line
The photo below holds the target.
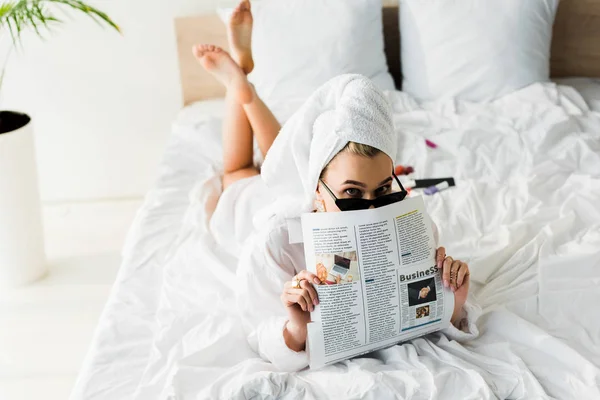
525,215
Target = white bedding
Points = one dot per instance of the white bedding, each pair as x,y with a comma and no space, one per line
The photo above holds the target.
525,215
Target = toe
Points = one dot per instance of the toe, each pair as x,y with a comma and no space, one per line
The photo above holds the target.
197,51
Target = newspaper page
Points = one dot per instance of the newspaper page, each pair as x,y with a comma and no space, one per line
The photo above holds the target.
380,281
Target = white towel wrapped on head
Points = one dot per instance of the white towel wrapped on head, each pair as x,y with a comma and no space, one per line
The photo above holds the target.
348,108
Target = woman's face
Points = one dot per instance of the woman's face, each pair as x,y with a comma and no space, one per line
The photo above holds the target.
350,175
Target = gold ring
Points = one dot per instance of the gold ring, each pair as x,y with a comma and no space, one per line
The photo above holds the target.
296,283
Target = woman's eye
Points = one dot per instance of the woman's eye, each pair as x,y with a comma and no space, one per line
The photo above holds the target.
383,190
353,192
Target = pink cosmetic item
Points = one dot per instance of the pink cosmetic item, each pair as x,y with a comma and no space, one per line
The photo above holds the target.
429,143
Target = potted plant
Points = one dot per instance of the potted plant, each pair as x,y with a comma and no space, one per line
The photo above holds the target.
22,257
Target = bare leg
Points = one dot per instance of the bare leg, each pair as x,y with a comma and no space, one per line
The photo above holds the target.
239,32
239,35
246,114
237,134
263,122
237,137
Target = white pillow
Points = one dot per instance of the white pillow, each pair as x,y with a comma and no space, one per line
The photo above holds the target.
475,50
298,45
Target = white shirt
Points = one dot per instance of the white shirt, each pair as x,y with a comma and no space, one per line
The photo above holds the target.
266,262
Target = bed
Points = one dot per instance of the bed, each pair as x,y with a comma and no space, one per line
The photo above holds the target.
526,218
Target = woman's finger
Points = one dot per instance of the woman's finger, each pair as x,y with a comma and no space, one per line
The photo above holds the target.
462,274
454,269
439,256
446,271
295,297
314,298
309,276
285,298
309,302
291,297
302,297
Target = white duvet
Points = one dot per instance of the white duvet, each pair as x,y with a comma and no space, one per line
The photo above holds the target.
525,214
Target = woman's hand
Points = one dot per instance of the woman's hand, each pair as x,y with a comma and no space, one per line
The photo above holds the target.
456,276
299,302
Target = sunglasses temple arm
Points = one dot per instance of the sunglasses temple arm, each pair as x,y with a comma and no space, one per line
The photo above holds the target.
329,190
399,183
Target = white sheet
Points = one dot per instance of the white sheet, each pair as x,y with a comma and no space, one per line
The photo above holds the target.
121,345
525,215
589,88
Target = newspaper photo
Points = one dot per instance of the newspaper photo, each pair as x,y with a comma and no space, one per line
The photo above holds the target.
380,284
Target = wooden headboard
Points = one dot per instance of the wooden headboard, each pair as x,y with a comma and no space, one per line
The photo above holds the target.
575,45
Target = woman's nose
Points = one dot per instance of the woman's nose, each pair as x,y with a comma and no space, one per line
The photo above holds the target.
369,196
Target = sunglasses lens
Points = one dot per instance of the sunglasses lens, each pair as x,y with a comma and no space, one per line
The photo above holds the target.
352,204
390,199
362,204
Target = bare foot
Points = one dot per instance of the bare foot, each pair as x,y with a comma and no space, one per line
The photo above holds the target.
220,64
239,33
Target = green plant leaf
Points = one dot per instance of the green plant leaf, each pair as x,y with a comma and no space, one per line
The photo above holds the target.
18,16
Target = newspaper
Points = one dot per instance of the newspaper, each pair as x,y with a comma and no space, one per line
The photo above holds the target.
380,281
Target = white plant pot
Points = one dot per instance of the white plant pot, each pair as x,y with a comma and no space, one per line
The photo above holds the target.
22,258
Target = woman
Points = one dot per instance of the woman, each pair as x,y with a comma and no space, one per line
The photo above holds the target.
340,144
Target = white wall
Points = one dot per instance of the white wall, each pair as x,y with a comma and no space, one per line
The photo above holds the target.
102,103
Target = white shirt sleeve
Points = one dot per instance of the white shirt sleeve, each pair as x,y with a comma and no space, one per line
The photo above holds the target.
267,261
465,327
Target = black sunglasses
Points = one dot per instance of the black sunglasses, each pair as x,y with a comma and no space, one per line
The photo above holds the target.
363,204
